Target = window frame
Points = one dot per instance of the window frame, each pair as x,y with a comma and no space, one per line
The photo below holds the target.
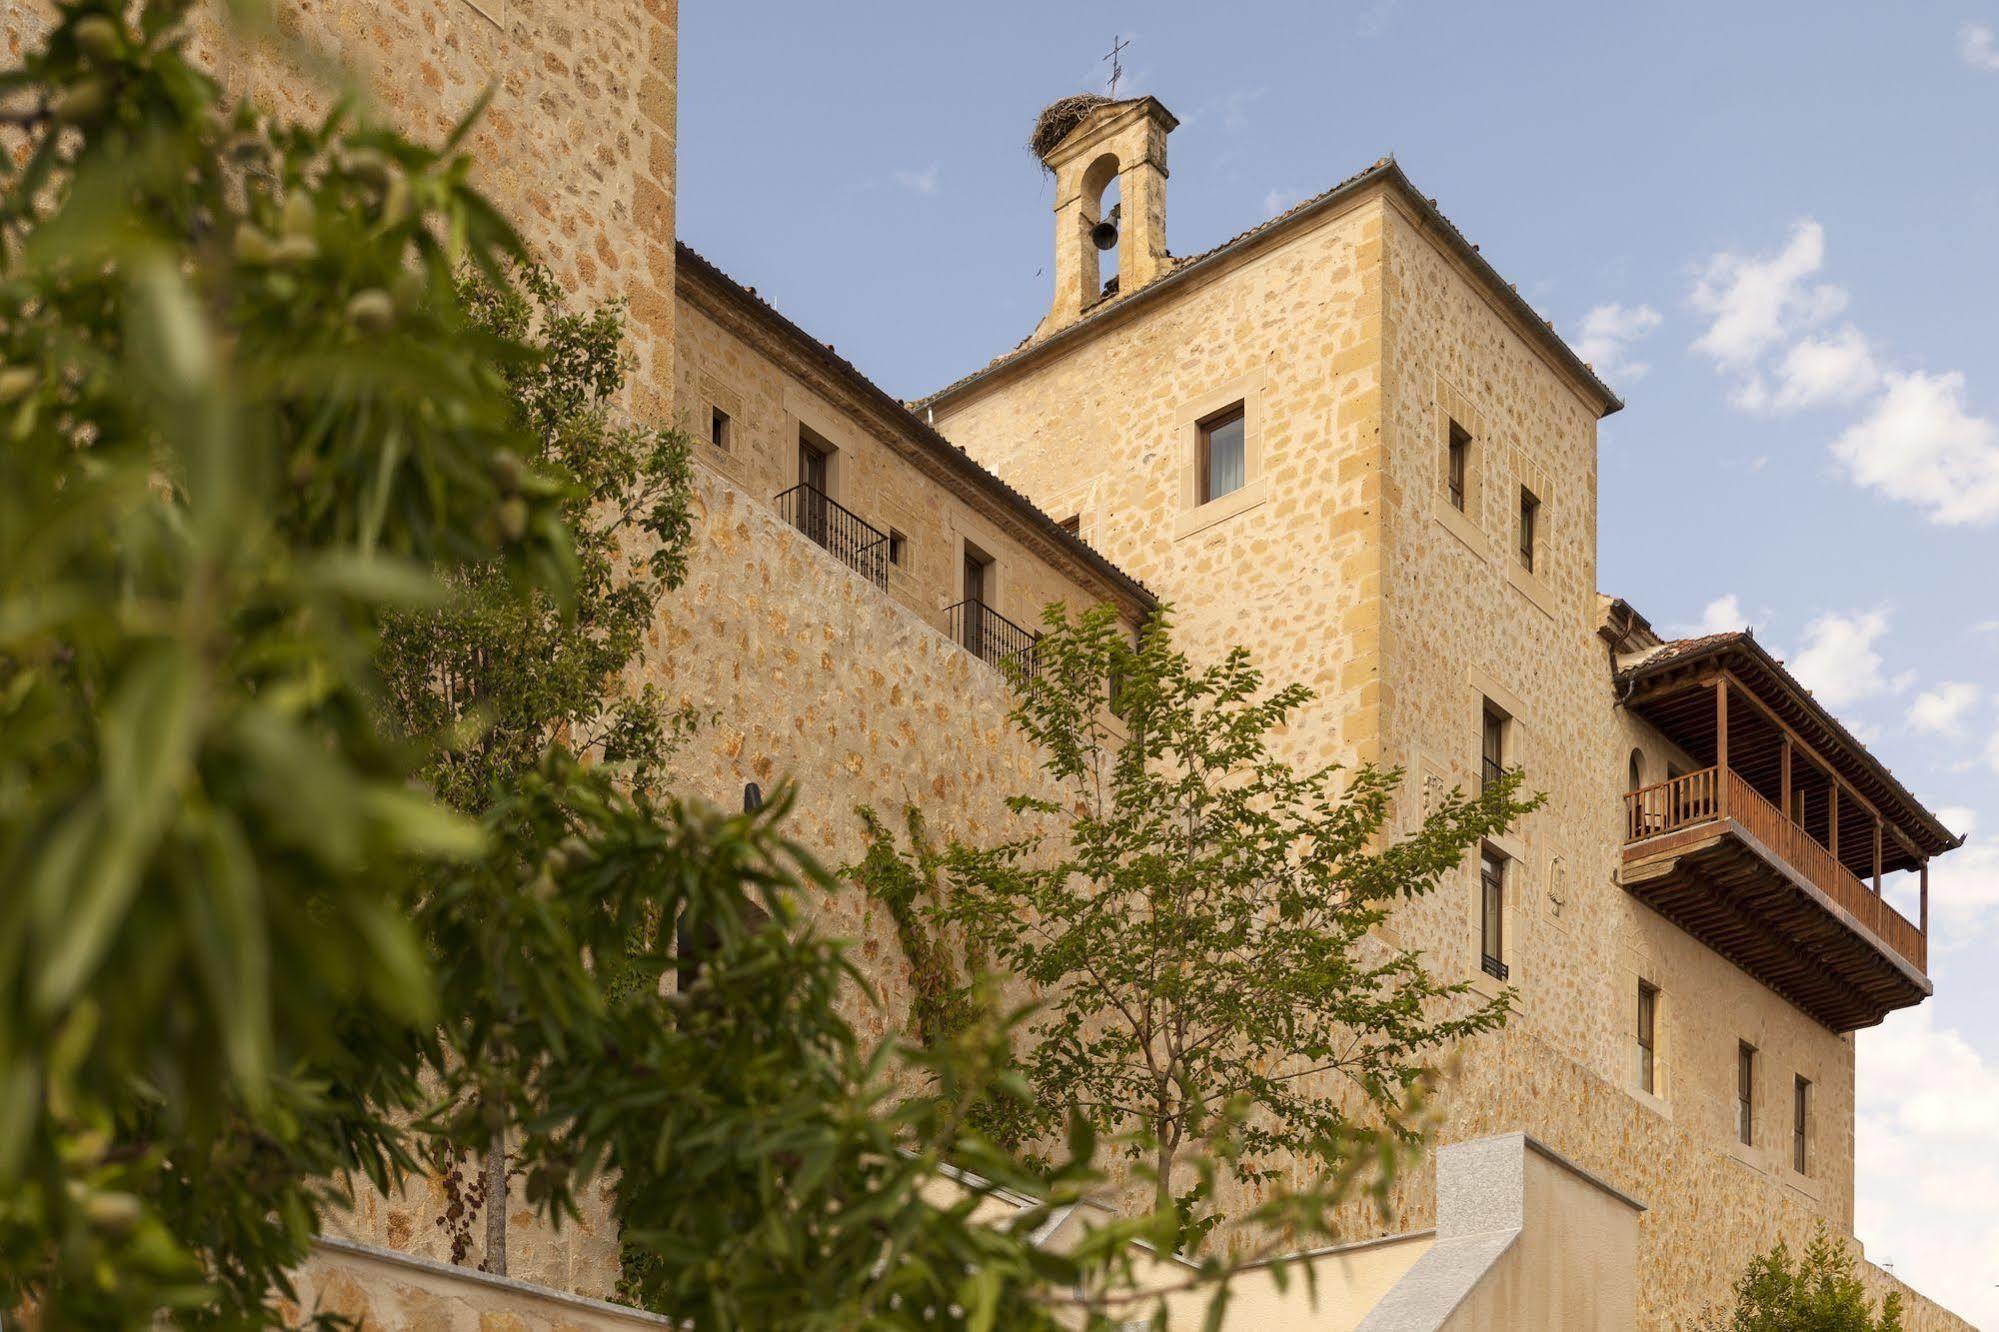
898,548
1492,873
1648,1037
1801,1115
1237,414
1745,1093
1457,466
1494,731
721,429
1529,527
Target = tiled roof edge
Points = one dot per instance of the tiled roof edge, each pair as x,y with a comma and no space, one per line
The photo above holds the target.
924,433
1680,651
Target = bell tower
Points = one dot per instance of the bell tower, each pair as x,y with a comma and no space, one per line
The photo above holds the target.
1089,144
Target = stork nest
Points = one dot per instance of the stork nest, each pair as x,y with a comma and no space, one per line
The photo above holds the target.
1058,118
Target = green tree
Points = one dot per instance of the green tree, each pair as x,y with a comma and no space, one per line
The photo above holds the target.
1815,1293
513,674
1197,912
245,415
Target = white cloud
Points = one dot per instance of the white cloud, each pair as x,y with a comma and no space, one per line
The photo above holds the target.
922,182
1277,201
1755,303
1819,372
1927,1160
1840,663
1718,616
1992,752
1607,334
1922,446
1942,710
1978,46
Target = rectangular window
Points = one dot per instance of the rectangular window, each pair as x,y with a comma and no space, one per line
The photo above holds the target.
1492,915
1801,1108
1648,1047
898,547
977,574
1223,464
1457,463
813,514
1745,1092
718,428
1530,517
1492,747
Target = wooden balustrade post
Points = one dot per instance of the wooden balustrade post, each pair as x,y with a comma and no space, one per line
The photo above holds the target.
1832,815
1926,898
1721,746
1877,857
1784,802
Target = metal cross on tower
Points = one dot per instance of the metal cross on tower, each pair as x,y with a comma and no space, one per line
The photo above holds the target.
1117,69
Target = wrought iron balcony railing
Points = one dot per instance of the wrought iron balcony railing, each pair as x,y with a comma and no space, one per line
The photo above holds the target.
847,536
991,637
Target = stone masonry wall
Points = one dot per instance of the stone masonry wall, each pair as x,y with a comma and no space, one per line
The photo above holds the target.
768,401
1352,342
800,668
576,146
1289,565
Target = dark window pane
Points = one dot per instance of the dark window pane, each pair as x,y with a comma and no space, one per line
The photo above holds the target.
1492,916
1455,465
1492,747
1745,1093
1530,516
1648,1012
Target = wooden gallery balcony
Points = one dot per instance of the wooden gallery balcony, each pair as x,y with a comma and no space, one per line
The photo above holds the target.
1773,852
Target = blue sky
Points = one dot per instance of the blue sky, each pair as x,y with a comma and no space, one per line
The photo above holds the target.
1771,225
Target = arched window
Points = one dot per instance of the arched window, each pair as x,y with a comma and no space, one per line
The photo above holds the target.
1102,197
1637,770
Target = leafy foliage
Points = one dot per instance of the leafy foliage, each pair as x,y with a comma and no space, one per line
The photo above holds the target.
1815,1293
1198,913
514,673
245,414
509,674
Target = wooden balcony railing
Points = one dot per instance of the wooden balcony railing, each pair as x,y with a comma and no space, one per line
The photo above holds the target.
1696,798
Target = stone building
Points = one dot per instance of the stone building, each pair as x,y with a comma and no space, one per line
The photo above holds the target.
1341,440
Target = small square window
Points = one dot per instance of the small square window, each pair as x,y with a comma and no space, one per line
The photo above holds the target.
1457,466
1223,462
720,429
1073,524
1530,518
898,548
